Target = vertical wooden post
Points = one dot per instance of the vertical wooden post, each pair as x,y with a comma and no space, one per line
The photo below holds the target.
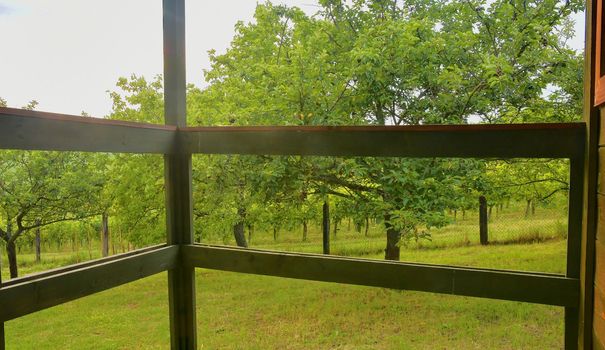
591,181
574,241
325,227
2,340
483,220
177,177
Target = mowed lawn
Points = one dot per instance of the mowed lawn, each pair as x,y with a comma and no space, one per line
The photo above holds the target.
238,311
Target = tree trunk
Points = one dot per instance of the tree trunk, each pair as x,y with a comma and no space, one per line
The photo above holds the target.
105,234
533,208
275,233
240,236
335,228
326,227
37,243
250,229
305,230
483,220
527,207
392,251
11,252
367,226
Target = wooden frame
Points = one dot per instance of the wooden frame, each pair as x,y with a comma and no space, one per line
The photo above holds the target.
540,288
27,130
23,296
178,143
599,76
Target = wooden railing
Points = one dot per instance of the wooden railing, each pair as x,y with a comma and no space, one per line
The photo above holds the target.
27,130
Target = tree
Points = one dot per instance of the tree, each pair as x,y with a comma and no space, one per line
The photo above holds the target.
39,189
390,63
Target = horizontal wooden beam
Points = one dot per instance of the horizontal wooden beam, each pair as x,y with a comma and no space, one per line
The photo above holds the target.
31,130
537,288
44,291
63,269
563,140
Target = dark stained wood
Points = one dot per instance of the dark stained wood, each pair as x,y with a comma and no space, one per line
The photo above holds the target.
177,168
2,340
36,294
485,283
181,280
473,141
574,246
28,130
575,215
79,266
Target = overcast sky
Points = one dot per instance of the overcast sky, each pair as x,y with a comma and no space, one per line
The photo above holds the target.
67,53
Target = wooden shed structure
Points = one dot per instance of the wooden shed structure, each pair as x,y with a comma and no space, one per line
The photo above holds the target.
581,291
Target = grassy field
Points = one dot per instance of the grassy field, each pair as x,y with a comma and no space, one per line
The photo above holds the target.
237,311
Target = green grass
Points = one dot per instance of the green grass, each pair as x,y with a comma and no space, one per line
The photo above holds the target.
238,311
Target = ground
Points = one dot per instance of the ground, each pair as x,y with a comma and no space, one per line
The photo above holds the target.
238,311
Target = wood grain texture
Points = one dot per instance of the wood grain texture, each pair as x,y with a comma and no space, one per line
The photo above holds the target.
486,283
599,279
599,318
46,291
471,141
600,234
177,170
27,130
78,266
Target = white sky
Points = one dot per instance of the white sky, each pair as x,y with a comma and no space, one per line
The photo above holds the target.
67,53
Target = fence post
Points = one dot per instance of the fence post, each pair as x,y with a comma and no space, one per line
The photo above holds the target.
177,178
325,227
2,346
483,220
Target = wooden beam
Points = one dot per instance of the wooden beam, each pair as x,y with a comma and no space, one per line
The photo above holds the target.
472,141
30,130
177,168
46,291
64,269
574,245
538,288
2,339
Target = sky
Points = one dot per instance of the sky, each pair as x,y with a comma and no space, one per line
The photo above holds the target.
67,54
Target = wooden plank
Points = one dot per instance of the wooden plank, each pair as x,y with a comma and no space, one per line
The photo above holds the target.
78,266
601,171
179,207
485,283
33,295
600,234
2,339
474,141
599,317
599,278
29,130
574,248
